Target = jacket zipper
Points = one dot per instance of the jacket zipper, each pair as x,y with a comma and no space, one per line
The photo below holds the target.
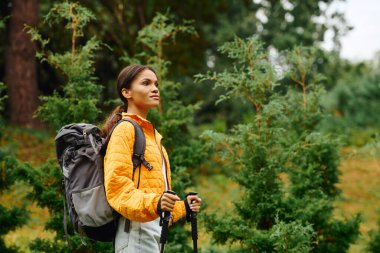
166,167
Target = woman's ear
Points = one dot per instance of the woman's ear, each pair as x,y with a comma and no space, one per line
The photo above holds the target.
126,93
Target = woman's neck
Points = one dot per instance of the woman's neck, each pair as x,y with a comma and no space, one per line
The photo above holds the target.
138,111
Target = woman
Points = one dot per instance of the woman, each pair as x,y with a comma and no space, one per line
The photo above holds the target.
139,199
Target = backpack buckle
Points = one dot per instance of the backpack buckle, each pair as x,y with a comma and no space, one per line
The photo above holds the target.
142,160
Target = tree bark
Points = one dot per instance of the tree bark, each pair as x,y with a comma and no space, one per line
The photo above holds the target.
20,64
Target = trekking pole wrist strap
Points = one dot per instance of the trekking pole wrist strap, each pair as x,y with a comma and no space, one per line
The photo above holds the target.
159,210
188,210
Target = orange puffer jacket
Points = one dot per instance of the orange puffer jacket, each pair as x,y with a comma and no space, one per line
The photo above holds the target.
136,204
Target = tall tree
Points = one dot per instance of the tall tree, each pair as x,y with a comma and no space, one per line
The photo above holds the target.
287,169
20,65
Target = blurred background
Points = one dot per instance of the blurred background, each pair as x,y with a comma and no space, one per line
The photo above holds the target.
60,63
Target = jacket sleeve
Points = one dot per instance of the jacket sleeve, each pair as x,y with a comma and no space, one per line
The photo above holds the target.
121,192
179,210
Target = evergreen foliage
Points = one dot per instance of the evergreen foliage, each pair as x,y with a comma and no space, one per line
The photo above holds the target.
280,153
286,168
278,23
47,193
173,117
11,217
77,102
374,243
356,99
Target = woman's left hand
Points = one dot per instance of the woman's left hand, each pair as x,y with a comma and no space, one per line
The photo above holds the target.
194,203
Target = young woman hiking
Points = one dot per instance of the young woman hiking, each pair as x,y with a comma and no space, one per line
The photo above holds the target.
139,199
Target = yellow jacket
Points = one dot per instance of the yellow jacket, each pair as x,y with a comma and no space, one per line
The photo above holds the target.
137,204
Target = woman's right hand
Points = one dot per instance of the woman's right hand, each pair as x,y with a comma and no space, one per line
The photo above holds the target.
167,201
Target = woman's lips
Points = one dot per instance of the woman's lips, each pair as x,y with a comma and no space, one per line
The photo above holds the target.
155,97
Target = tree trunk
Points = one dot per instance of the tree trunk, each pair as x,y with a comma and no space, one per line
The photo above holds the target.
20,64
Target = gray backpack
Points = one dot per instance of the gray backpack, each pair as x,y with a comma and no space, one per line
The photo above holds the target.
80,152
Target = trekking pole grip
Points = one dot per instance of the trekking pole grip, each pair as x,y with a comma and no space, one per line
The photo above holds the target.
166,216
164,222
192,213
171,192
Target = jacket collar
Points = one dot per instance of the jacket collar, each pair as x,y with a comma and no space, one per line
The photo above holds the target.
135,117
140,120
145,124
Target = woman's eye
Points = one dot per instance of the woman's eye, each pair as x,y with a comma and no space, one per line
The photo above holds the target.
156,84
145,83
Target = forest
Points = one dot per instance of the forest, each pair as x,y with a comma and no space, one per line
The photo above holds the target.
279,136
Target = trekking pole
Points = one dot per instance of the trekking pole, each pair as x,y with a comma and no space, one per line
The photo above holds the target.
164,222
194,226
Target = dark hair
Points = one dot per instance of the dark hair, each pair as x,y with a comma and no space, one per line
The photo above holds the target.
124,80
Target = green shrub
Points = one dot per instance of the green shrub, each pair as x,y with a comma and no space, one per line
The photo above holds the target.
374,244
286,168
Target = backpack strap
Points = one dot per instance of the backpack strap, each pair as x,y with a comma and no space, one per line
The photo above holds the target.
138,153
65,216
138,146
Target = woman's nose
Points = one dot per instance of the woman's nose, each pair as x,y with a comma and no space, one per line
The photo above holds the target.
155,89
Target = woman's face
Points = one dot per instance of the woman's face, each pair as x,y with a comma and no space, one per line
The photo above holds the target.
143,93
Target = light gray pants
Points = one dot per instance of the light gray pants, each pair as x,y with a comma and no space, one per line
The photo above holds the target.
143,237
